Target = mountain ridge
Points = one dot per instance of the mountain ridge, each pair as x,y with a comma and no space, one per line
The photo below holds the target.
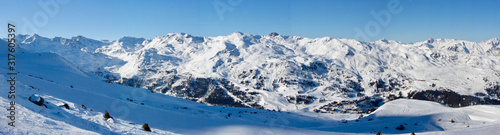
495,39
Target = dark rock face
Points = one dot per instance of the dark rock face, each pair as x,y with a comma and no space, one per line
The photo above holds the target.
65,106
194,88
273,34
363,105
37,100
203,90
219,96
252,78
83,107
301,99
315,67
450,98
131,82
392,84
493,90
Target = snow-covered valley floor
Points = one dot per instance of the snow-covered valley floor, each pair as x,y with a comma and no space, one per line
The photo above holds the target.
58,82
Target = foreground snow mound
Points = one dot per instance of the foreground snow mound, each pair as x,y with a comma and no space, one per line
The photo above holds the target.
429,117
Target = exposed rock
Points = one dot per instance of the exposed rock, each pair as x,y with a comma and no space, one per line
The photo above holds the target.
400,127
450,98
65,106
38,100
83,107
273,34
493,90
363,105
204,90
301,99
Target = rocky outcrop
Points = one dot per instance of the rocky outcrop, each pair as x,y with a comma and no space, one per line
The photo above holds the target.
38,100
301,99
364,105
451,98
204,90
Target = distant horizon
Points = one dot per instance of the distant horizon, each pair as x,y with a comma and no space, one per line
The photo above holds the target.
51,37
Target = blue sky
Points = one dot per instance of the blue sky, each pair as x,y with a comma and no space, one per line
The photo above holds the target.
416,20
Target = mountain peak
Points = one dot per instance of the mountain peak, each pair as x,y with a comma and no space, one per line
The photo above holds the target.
34,36
129,38
237,33
430,40
182,34
273,34
494,40
79,37
384,40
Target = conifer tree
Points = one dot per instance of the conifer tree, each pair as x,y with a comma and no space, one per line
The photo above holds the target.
145,127
107,116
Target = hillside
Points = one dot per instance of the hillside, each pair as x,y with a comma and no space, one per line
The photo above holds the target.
285,72
61,81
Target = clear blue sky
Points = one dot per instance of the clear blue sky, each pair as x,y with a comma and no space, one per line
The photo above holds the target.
108,19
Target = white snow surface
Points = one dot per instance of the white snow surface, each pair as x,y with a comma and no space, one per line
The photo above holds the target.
462,66
61,74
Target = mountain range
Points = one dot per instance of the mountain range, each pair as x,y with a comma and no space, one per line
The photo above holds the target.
278,72
251,84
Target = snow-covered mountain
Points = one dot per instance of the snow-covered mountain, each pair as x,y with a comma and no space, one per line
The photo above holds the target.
64,86
287,72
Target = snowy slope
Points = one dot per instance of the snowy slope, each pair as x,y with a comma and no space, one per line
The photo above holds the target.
283,72
49,76
427,117
59,82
